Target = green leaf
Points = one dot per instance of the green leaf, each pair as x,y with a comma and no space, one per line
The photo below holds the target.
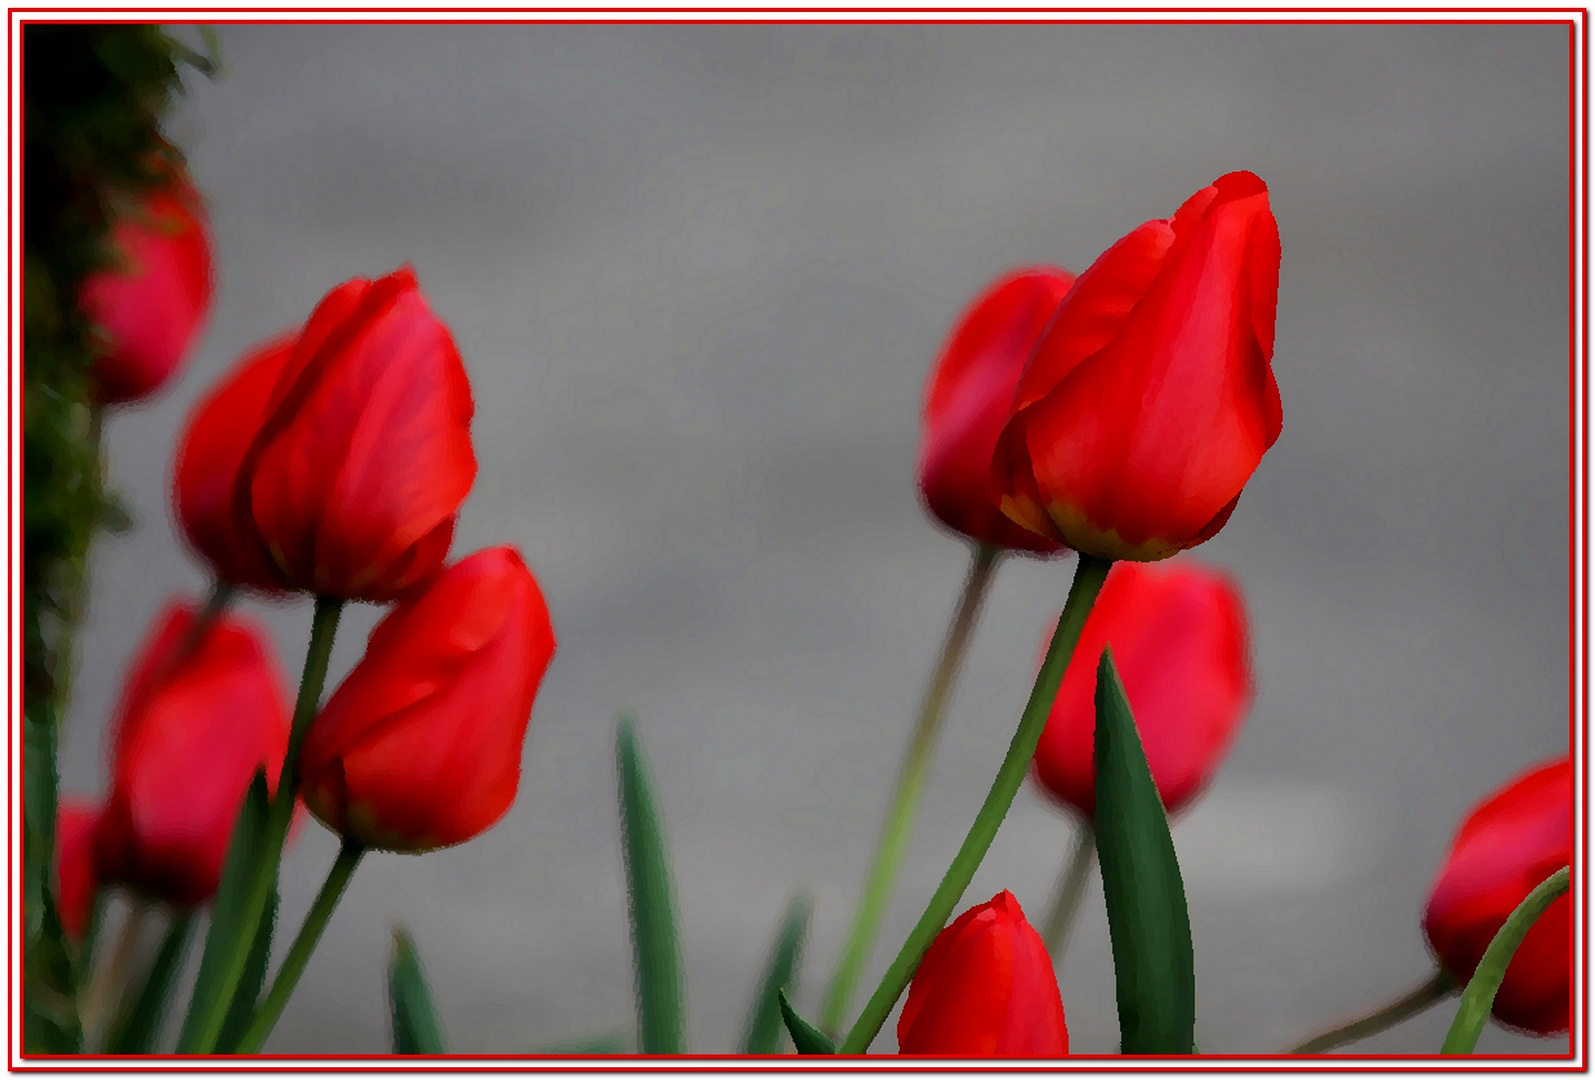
247,996
1147,919
661,989
598,1045
143,1016
50,1020
415,1021
763,1034
1480,993
805,1036
228,921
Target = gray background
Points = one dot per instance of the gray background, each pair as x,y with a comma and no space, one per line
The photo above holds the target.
698,275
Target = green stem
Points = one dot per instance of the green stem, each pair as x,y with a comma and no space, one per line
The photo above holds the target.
910,783
207,1026
1435,989
1071,887
1088,578
293,964
1479,994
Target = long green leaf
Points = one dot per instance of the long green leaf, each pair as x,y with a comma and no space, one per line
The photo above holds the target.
143,1016
661,989
763,1035
415,1020
1480,993
247,996
805,1036
228,919
1147,919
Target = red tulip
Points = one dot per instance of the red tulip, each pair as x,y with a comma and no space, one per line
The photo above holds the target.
985,989
77,879
148,307
210,452
191,730
353,481
1180,642
968,400
421,745
1511,842
1151,400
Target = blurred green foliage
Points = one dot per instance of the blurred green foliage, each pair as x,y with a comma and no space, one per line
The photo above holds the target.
93,97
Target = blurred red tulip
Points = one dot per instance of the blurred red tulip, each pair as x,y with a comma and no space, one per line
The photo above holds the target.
1511,842
1180,641
1151,400
421,745
969,398
77,878
148,307
985,989
210,452
364,455
192,728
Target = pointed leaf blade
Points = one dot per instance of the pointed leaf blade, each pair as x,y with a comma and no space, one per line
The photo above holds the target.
415,1020
1153,962
247,996
805,1036
763,1035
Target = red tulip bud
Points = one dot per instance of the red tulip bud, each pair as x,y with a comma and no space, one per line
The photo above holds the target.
192,728
1511,842
1151,400
969,397
421,745
985,989
147,308
210,452
77,879
364,454
1180,642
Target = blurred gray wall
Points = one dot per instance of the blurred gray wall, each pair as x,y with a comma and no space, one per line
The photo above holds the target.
698,274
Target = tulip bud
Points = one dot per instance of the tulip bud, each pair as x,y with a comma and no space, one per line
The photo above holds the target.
196,720
210,452
147,308
364,455
985,989
421,745
968,399
1180,642
1151,400
1510,843
76,876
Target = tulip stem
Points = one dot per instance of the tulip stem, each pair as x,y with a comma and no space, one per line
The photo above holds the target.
1432,991
1089,575
905,796
323,628
1071,888
293,965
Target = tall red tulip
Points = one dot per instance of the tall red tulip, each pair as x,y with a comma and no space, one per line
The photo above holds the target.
1180,640
192,728
421,745
147,309
985,989
210,452
1511,842
1151,400
77,877
968,399
353,481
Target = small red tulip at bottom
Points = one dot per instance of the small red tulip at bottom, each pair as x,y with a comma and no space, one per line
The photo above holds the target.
1510,843
77,878
985,989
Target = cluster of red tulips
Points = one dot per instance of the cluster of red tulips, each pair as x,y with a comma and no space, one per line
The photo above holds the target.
1118,415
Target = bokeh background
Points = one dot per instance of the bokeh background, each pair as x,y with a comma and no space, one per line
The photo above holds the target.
698,274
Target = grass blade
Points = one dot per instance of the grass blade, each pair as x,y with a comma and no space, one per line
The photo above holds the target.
142,1017
764,1028
661,989
415,1019
1153,963
247,996
805,1036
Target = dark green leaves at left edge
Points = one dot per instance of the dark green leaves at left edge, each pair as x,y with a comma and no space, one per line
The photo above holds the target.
1152,957
415,1020
661,989
1479,995
763,1034
805,1036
